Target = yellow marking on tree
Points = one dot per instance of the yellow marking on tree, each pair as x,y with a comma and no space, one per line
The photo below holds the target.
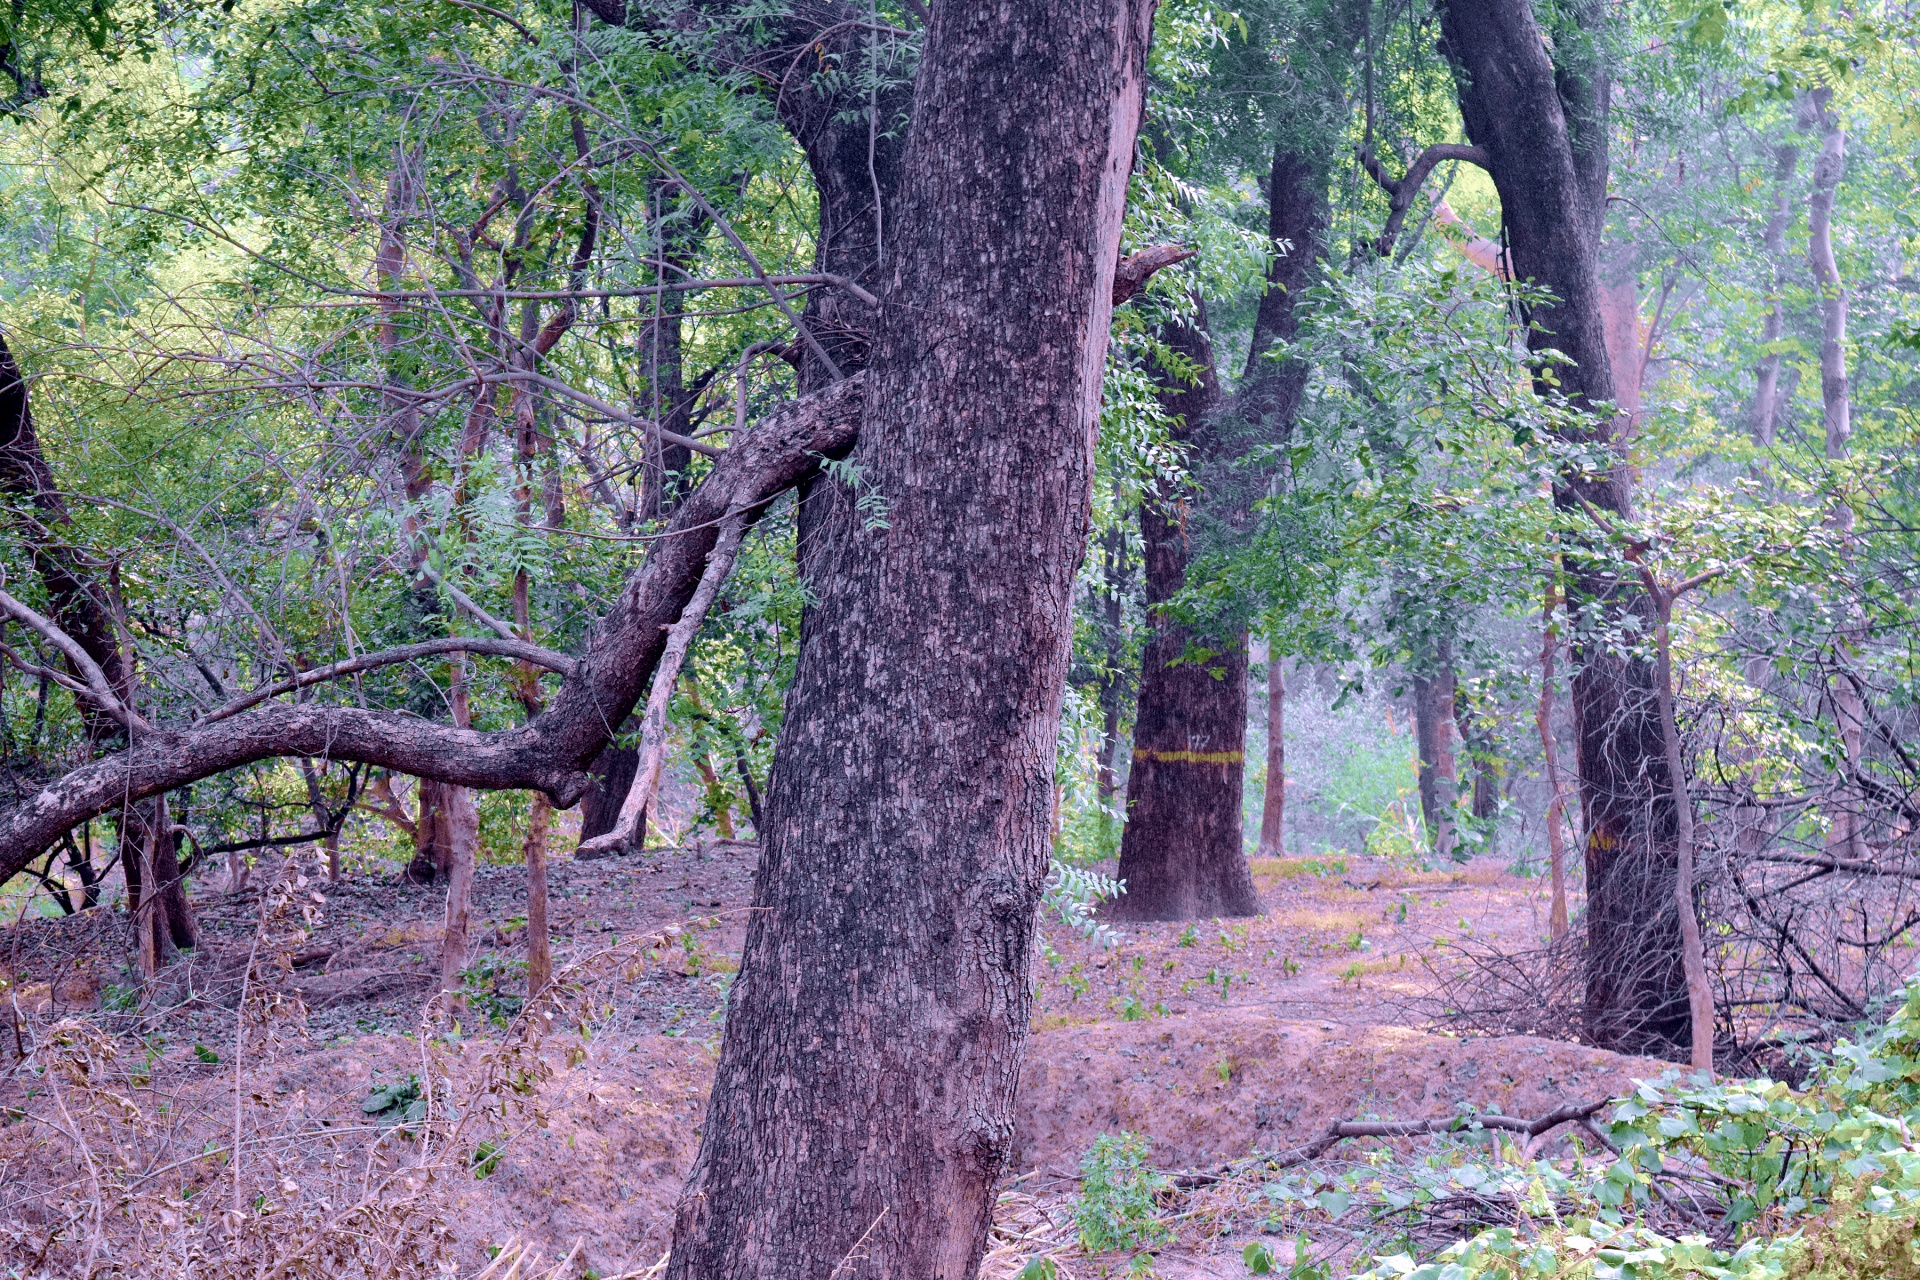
1189,757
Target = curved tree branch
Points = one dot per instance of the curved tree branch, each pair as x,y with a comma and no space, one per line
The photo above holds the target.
1400,194
549,753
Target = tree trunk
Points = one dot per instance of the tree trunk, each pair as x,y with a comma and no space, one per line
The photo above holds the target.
1273,812
1433,740
462,821
612,772
1544,128
534,852
1477,744
906,841
156,889
1765,416
1556,796
1692,949
659,347
1112,686
1846,834
1181,855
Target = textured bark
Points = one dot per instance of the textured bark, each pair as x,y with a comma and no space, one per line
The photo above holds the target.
1544,128
1273,811
1433,743
906,840
551,751
612,771
1181,855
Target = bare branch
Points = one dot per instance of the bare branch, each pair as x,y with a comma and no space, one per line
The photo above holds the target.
511,647
482,617
1400,194
97,686
1130,276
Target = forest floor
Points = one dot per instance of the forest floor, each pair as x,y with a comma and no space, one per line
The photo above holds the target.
1213,1041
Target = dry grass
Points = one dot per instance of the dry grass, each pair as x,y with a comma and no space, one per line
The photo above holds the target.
106,1170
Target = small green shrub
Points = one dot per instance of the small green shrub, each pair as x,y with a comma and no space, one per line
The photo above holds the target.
1118,1186
397,1101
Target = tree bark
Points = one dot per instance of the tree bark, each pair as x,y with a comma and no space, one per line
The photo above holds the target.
1477,745
1544,128
1433,740
895,909
1273,811
1550,751
612,771
1181,855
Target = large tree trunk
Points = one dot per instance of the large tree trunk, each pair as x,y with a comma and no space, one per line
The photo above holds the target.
1544,128
1181,855
907,818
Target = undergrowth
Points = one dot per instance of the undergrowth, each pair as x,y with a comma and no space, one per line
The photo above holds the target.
106,1172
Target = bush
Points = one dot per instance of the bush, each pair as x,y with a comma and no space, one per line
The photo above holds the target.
1118,1186
1816,1184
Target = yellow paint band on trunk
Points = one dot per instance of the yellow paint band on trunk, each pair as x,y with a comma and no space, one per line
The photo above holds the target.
1189,757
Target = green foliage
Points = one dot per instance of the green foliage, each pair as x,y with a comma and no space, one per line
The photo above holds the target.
486,1158
1118,1185
397,1101
1820,1182
1072,895
494,987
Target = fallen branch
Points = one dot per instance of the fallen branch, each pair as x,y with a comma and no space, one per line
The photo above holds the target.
1339,1131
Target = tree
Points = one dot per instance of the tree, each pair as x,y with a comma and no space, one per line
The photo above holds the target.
895,905
1180,855
1542,121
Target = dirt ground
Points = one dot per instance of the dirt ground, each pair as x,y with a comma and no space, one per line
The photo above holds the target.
1214,1040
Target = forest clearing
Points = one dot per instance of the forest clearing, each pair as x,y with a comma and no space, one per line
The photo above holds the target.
1141,1038
822,639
